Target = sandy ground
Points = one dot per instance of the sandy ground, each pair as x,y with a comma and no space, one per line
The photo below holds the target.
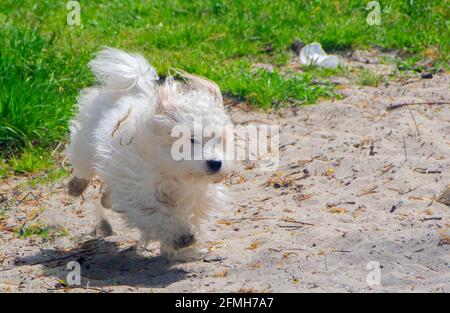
356,184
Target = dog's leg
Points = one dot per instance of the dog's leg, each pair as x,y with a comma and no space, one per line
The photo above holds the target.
77,186
105,200
176,234
190,253
183,248
102,228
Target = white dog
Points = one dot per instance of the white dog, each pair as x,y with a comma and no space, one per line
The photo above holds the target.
123,134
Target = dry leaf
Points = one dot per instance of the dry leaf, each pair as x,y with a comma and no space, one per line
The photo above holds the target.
236,179
302,197
431,53
225,222
278,181
249,166
287,254
32,215
365,192
356,213
337,210
79,213
212,245
221,274
445,238
248,290
255,265
67,201
337,6
254,245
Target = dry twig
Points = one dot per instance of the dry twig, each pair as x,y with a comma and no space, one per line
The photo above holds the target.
396,106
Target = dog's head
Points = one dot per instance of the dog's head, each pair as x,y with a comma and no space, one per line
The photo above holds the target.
190,128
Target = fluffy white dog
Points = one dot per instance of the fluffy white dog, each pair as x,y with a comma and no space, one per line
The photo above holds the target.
123,134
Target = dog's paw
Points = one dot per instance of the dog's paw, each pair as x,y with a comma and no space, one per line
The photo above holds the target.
186,254
184,241
184,248
103,229
77,186
193,254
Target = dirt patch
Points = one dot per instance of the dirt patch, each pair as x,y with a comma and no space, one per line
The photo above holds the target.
356,184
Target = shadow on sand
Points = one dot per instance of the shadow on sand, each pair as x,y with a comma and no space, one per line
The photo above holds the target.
103,264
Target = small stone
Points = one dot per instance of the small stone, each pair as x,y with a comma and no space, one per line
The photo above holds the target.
216,258
445,196
426,75
297,46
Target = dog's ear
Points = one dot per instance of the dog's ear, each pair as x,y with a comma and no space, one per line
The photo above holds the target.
200,82
166,96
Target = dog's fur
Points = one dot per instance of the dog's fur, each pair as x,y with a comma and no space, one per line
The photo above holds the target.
122,133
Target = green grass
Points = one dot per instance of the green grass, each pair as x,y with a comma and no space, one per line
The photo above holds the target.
368,78
51,175
34,229
37,229
43,60
271,89
31,161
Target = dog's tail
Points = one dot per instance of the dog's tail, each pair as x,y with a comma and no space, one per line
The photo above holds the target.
119,71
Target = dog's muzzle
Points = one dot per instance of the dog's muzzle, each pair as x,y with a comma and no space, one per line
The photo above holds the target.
214,166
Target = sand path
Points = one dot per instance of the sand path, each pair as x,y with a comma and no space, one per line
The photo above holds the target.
355,189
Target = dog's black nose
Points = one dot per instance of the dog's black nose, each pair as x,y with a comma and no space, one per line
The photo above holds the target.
214,165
